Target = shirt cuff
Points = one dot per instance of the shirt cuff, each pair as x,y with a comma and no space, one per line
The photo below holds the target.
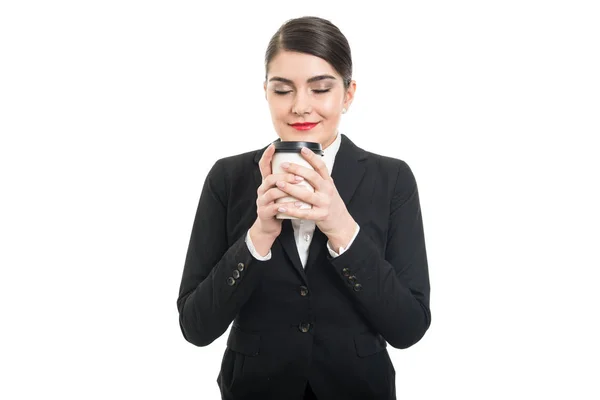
253,250
343,249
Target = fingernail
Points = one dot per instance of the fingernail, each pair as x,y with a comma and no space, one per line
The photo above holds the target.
298,204
299,178
305,150
282,209
285,165
280,184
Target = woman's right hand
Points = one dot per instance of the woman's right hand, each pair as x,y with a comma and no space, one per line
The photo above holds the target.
266,225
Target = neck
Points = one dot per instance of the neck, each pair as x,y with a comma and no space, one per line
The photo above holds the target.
326,145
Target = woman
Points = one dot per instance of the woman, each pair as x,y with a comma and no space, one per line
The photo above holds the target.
314,300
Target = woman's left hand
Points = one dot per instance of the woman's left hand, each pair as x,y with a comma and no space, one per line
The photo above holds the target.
328,209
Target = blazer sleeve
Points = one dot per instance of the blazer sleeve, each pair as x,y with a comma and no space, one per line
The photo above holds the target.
217,278
391,290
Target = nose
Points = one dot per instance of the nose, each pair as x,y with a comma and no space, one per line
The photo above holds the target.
301,103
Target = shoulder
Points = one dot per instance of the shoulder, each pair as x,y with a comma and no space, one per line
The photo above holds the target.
394,169
233,175
234,165
392,164
383,162
237,161
396,172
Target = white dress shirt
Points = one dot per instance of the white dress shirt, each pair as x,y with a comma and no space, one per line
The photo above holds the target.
304,229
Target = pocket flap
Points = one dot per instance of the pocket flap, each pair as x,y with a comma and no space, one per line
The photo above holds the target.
243,342
368,343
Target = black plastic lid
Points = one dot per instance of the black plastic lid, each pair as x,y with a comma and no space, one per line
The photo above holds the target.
295,147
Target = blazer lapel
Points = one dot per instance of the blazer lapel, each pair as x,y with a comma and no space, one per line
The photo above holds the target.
288,242
348,171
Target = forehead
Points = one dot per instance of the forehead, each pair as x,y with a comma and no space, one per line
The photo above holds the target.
299,66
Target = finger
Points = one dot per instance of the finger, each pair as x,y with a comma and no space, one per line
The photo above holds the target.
265,161
282,207
293,211
301,193
311,176
270,196
316,161
272,179
273,209
273,193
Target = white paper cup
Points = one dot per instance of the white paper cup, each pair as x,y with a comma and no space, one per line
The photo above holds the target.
290,152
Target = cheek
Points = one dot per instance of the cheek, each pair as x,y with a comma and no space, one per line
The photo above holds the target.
329,107
278,109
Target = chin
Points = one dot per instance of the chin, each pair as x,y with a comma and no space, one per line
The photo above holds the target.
307,138
290,134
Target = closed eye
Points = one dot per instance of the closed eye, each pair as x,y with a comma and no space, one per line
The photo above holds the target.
289,91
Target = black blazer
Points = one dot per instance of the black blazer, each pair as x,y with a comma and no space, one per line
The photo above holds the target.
328,323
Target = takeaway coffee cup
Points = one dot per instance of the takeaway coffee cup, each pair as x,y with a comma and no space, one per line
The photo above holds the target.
290,152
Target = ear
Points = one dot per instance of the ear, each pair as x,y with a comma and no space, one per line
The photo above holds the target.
349,95
265,88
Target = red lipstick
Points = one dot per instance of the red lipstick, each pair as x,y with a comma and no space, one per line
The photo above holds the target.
304,126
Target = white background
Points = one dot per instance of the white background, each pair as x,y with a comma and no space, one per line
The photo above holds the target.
112,113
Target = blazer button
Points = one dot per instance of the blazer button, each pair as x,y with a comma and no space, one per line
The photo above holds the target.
230,281
240,267
304,327
357,287
236,274
352,278
346,272
303,290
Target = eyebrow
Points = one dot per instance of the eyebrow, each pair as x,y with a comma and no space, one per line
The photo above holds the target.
309,80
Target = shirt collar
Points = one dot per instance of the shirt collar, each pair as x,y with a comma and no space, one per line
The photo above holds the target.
330,152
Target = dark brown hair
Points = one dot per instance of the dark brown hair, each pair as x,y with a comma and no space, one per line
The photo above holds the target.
316,36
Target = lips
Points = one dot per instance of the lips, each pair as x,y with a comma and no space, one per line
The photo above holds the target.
304,126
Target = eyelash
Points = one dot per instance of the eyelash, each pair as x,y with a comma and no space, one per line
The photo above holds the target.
289,91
